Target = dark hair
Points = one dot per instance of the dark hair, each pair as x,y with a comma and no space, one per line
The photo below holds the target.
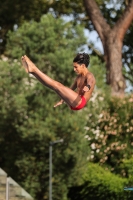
82,58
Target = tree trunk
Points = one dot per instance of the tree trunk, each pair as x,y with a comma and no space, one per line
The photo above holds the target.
112,40
113,58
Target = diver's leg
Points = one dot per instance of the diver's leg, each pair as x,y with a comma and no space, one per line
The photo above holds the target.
68,95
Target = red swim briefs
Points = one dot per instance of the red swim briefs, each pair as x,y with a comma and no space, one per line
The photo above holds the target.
80,106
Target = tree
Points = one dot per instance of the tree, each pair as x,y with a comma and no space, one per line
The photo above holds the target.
112,40
18,12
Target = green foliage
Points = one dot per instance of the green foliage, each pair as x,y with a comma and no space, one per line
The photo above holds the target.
68,158
13,107
101,184
13,14
28,124
29,120
51,44
11,92
126,169
21,10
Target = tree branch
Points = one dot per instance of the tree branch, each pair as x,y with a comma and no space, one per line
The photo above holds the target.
128,78
124,21
97,19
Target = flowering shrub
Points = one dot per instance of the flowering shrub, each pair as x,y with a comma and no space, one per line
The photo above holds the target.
109,130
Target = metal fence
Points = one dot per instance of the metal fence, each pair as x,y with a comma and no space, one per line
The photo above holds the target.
10,190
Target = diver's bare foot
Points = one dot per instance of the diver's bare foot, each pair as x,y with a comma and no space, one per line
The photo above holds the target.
24,63
30,64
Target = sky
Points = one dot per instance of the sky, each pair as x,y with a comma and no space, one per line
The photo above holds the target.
94,38
91,35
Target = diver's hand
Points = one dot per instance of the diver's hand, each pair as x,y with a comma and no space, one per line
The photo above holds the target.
58,103
86,89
